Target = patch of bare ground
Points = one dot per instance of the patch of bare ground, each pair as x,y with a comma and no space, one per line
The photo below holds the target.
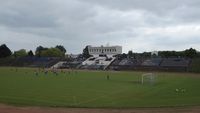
13,109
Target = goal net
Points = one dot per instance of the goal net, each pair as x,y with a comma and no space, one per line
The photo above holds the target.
148,78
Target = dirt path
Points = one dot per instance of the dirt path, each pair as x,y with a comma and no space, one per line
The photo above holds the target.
12,109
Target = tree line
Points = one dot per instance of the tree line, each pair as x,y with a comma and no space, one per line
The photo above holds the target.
188,53
58,51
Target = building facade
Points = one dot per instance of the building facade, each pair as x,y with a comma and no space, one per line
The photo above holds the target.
109,50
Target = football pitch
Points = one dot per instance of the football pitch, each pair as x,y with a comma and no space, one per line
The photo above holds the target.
97,89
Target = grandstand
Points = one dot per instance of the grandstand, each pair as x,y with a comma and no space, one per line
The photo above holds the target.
166,64
125,64
153,62
104,61
175,64
67,64
101,57
35,61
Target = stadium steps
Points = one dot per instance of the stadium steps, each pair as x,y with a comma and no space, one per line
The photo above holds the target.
58,65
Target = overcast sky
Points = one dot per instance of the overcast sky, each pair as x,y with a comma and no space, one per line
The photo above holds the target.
138,25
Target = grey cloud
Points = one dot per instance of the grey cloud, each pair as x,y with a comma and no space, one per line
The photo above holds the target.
178,10
26,13
76,23
150,5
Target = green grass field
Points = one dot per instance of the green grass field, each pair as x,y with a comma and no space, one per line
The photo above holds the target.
92,89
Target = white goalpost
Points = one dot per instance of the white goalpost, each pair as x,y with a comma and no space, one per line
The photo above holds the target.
148,77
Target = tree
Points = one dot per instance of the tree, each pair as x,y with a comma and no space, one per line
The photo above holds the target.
52,52
130,53
4,51
122,56
146,55
20,53
30,53
86,52
61,48
191,53
39,50
165,54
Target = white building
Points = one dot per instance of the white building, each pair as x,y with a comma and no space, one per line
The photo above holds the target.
109,50
101,56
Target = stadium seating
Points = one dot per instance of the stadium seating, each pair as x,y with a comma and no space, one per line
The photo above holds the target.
175,62
100,62
152,62
125,64
67,64
35,61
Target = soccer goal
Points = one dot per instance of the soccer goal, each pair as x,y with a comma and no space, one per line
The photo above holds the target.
148,78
